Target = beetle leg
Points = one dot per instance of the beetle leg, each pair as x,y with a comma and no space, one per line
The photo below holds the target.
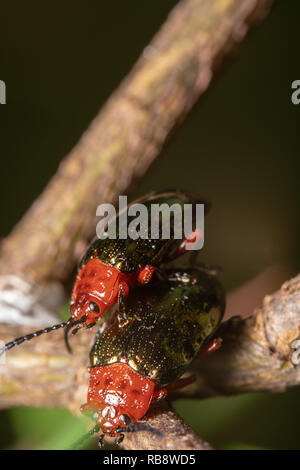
123,291
192,238
210,270
193,258
211,347
122,317
145,274
180,383
101,441
119,439
159,394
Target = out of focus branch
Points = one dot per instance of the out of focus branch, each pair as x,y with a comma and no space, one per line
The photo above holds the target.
175,69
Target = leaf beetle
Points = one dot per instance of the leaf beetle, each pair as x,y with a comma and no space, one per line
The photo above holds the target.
134,365
112,267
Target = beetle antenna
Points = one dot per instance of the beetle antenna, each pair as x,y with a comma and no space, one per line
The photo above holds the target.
139,427
30,336
79,327
70,325
80,441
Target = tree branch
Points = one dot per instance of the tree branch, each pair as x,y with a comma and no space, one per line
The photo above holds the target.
256,355
173,433
42,373
257,352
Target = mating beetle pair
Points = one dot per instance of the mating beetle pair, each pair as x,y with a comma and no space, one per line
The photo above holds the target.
157,329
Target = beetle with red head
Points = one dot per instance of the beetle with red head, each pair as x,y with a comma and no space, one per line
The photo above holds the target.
112,267
135,364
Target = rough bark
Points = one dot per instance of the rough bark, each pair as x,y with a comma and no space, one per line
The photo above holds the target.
258,354
42,373
174,433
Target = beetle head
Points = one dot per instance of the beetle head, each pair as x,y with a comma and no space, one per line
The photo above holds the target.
95,290
110,419
87,308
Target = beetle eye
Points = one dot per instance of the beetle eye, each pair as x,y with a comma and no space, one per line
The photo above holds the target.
94,307
126,420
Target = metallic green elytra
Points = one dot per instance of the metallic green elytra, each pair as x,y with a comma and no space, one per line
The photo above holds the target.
128,255
168,323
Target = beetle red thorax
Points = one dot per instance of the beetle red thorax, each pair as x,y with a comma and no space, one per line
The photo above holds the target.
96,289
118,395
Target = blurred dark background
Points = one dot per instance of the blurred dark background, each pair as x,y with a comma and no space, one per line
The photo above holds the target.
239,148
